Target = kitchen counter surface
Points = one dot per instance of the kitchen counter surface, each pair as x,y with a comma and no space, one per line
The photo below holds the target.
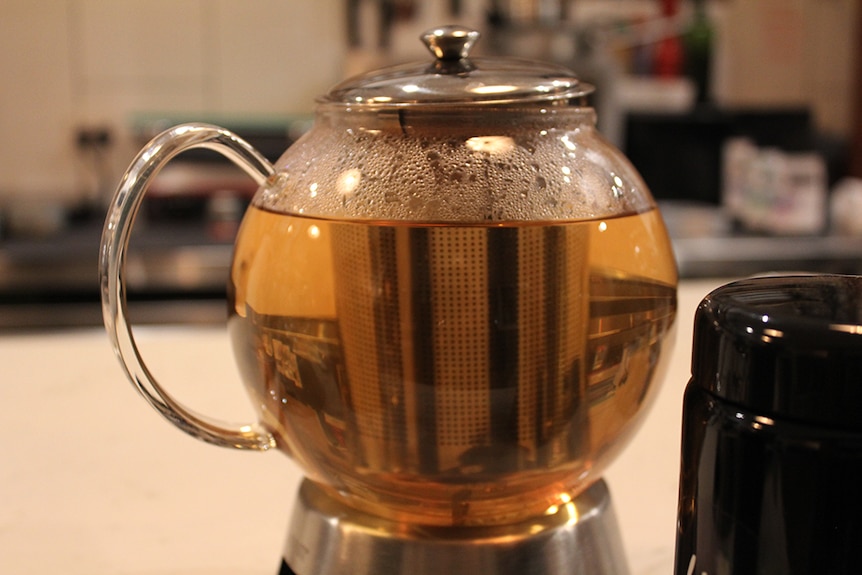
94,482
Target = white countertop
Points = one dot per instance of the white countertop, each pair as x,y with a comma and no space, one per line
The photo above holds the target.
94,482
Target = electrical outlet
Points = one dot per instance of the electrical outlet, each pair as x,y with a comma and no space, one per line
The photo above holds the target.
93,137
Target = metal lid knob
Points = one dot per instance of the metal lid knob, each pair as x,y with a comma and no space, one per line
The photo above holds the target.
450,42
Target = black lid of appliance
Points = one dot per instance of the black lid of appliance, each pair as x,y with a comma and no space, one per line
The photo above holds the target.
786,346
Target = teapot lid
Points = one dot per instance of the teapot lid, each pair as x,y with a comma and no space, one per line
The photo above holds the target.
456,79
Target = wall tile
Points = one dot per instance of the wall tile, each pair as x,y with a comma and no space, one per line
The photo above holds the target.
830,61
275,57
138,55
765,57
134,38
35,100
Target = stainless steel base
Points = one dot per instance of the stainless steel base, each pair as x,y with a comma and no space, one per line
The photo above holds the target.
327,538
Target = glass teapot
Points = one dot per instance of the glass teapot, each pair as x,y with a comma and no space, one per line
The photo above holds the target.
447,299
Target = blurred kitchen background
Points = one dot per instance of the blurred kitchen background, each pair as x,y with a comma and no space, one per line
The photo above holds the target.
744,117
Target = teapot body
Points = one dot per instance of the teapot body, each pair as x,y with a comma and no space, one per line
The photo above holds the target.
449,319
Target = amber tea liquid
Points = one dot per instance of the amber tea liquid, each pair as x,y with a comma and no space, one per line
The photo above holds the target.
450,375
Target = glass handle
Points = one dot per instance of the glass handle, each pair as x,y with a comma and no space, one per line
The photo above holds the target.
112,258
